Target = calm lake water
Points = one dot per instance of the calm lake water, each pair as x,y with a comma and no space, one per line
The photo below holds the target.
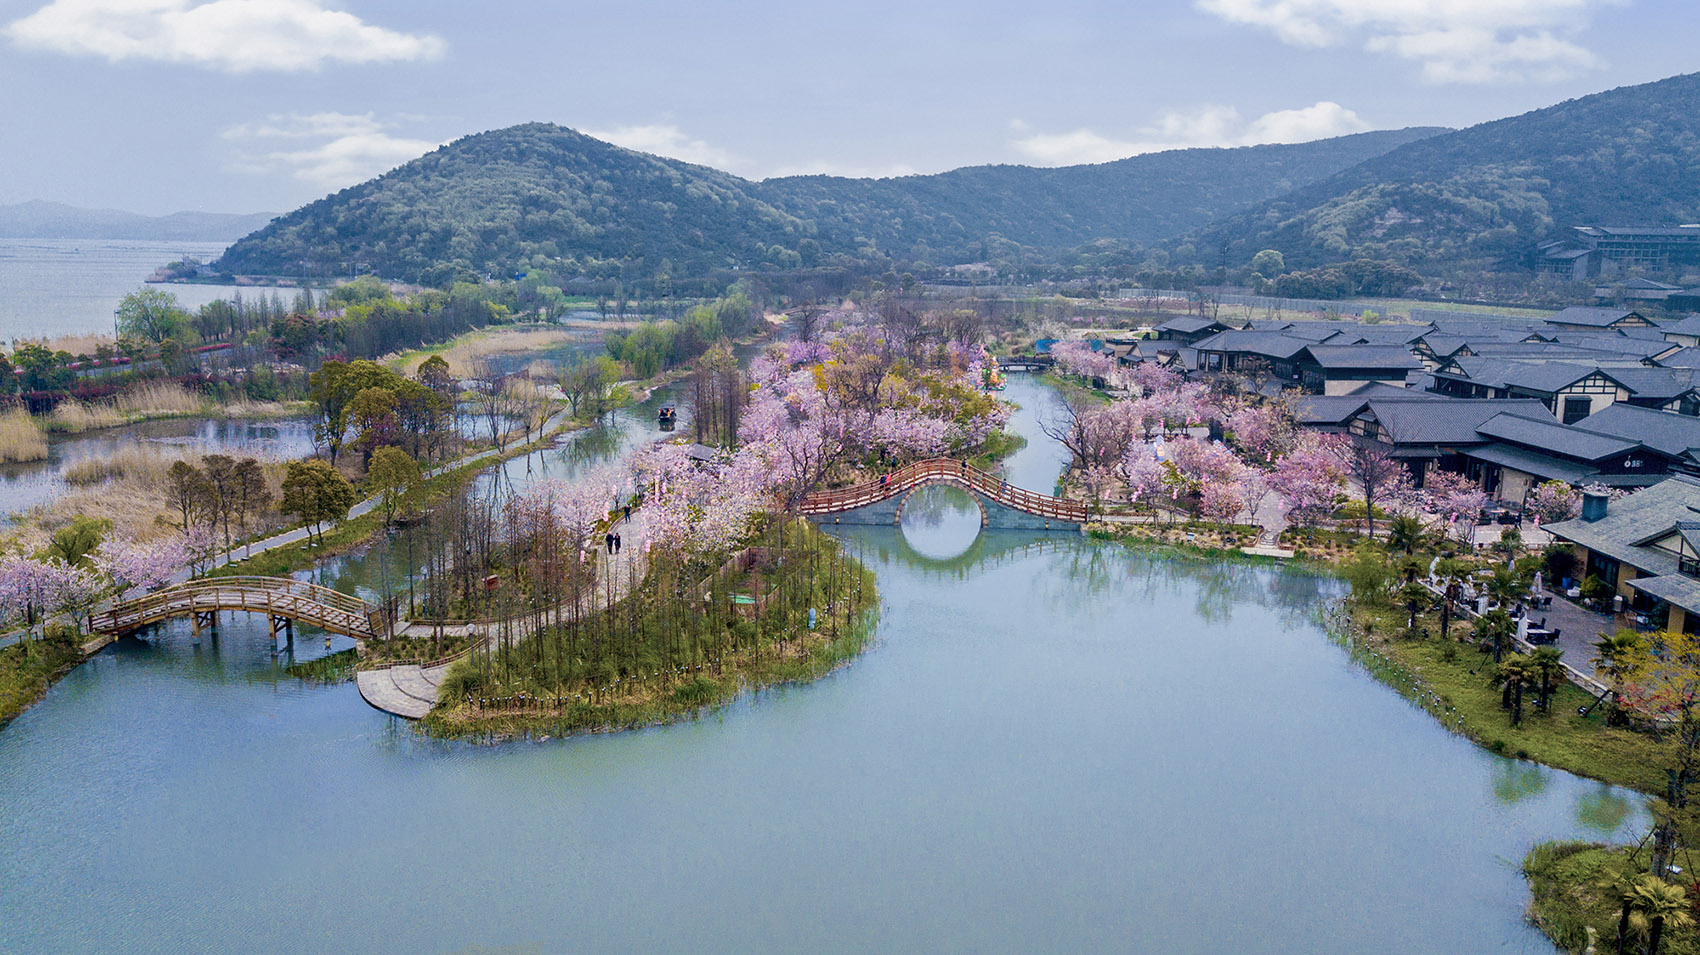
1052,745
23,486
52,287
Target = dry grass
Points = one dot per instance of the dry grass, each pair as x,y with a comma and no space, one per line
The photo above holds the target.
20,439
129,488
80,344
158,398
264,409
465,352
72,416
141,462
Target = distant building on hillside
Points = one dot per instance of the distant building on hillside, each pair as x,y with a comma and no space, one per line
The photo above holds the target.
1590,246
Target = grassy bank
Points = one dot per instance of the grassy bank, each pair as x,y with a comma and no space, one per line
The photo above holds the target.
789,607
1461,694
1571,884
689,696
335,667
28,668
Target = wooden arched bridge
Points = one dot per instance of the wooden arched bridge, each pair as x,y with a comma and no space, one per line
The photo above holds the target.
283,600
1001,505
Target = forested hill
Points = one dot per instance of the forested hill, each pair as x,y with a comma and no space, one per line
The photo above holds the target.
1629,156
544,196
1141,199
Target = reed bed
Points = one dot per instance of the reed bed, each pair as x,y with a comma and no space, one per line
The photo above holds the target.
130,489
72,416
158,398
464,354
20,439
80,344
246,408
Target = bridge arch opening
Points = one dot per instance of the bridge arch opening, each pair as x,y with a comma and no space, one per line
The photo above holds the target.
940,521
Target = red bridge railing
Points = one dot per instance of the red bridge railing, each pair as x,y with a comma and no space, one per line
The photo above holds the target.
944,471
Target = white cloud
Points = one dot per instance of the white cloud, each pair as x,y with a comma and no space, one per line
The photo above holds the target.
329,151
1204,126
667,140
237,36
1454,41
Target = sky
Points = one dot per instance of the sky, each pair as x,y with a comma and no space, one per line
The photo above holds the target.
155,106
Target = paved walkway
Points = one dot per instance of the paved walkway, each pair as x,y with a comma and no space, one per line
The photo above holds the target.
409,691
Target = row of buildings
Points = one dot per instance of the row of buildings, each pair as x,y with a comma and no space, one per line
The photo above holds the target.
1600,398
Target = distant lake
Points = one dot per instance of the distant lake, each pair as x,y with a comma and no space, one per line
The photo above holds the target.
52,287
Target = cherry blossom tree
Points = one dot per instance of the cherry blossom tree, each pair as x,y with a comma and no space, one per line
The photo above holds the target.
1142,473
1307,478
1553,501
1379,477
1455,498
1078,358
143,564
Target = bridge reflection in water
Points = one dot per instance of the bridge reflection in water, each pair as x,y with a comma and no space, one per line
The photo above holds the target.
1001,505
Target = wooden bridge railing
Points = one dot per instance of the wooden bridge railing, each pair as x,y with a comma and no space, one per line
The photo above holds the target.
944,470
276,596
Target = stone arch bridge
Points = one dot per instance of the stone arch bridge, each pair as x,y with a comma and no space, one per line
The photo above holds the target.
1001,505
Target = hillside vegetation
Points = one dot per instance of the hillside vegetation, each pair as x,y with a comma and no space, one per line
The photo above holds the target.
1491,193
545,197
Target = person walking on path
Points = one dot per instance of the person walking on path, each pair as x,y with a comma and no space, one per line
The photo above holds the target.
628,512
608,541
616,543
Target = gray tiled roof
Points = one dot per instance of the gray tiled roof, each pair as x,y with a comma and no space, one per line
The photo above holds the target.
1188,324
1589,315
1267,344
1665,431
1687,325
1388,357
1548,376
1637,517
1686,358
1676,589
1532,462
1550,436
1446,420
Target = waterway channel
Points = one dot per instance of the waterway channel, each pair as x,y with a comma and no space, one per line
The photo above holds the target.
1052,744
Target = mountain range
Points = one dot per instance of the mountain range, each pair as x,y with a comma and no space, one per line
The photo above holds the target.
54,220
540,195
544,196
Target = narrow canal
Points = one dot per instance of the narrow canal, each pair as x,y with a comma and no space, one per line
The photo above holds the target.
1052,745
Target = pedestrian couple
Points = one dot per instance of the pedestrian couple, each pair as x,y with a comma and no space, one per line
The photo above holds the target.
611,541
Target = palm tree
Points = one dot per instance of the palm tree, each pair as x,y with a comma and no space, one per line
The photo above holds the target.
1451,572
1661,904
1405,532
1615,657
1506,587
1513,673
1415,598
1494,628
1509,543
1546,663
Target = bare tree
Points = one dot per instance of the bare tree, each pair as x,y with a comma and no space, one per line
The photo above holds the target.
1379,475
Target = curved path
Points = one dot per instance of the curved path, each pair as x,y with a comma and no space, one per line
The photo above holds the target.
410,689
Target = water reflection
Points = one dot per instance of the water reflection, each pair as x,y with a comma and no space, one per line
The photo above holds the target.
25,485
1515,780
940,522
